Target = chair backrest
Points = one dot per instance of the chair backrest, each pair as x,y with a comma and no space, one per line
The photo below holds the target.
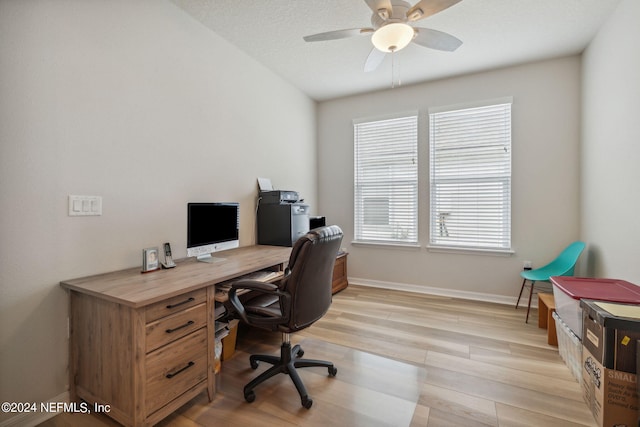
311,271
565,263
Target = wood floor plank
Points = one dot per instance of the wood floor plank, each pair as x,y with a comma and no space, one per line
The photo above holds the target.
439,418
548,368
383,346
562,408
460,404
420,416
538,382
403,336
509,416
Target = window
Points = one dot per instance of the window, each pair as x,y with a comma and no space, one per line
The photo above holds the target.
386,180
470,177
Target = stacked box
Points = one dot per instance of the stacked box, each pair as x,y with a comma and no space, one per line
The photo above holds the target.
609,368
568,308
569,347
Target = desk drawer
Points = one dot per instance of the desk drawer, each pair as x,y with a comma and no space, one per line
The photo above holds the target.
175,368
175,304
170,328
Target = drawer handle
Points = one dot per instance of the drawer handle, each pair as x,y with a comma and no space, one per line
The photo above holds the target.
177,328
188,300
173,374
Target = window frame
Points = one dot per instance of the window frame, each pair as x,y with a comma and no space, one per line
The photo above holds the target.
400,184
435,221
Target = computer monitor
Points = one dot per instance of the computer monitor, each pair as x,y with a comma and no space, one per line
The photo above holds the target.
212,227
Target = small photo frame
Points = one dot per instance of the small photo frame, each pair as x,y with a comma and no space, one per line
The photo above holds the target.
150,259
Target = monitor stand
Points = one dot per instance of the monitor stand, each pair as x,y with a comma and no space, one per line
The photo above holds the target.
208,258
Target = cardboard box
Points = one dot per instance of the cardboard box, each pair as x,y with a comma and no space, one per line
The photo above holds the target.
610,332
612,396
229,342
609,368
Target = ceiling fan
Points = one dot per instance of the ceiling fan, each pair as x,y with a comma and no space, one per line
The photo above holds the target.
391,30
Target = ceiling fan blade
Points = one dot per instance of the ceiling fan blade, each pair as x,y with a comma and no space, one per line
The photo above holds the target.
434,39
338,34
374,59
426,8
377,5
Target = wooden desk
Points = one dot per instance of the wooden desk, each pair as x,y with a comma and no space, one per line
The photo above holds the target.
339,280
144,343
546,307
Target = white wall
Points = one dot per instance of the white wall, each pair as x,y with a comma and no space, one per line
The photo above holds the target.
140,104
611,146
545,207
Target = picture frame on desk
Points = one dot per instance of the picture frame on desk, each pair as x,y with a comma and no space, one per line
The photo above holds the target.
150,260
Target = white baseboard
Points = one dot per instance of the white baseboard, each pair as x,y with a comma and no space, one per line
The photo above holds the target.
31,419
451,293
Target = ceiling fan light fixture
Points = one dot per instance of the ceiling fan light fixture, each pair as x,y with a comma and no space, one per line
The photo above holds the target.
392,37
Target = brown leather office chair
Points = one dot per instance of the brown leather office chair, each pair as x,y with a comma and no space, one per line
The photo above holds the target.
302,297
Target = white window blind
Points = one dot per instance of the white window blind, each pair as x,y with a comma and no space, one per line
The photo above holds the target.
386,180
470,177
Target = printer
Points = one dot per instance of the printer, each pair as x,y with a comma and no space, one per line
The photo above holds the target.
278,196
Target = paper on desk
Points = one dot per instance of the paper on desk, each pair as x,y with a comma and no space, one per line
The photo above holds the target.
265,184
621,310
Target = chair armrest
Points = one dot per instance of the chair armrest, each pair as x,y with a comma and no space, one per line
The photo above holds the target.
254,285
284,300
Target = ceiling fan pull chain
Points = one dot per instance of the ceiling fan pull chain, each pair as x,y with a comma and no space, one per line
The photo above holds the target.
398,74
393,66
395,71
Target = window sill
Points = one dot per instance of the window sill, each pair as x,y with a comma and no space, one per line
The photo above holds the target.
470,251
386,244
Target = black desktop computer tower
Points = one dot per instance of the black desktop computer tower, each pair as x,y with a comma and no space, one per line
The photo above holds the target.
282,224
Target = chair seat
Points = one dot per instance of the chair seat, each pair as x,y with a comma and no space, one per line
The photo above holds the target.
539,275
264,305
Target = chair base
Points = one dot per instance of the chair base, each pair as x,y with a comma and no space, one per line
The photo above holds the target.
287,363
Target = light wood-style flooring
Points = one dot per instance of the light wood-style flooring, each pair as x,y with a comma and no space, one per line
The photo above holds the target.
403,359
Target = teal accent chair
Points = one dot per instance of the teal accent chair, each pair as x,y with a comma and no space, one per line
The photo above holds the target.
563,265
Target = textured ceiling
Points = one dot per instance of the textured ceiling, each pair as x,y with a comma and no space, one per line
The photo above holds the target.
495,33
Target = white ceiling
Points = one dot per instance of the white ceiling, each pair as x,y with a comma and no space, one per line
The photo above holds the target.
495,33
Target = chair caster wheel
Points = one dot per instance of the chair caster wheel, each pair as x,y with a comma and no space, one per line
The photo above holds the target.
254,364
250,397
300,353
332,371
307,403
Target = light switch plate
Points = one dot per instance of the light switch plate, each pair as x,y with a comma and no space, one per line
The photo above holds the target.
85,205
